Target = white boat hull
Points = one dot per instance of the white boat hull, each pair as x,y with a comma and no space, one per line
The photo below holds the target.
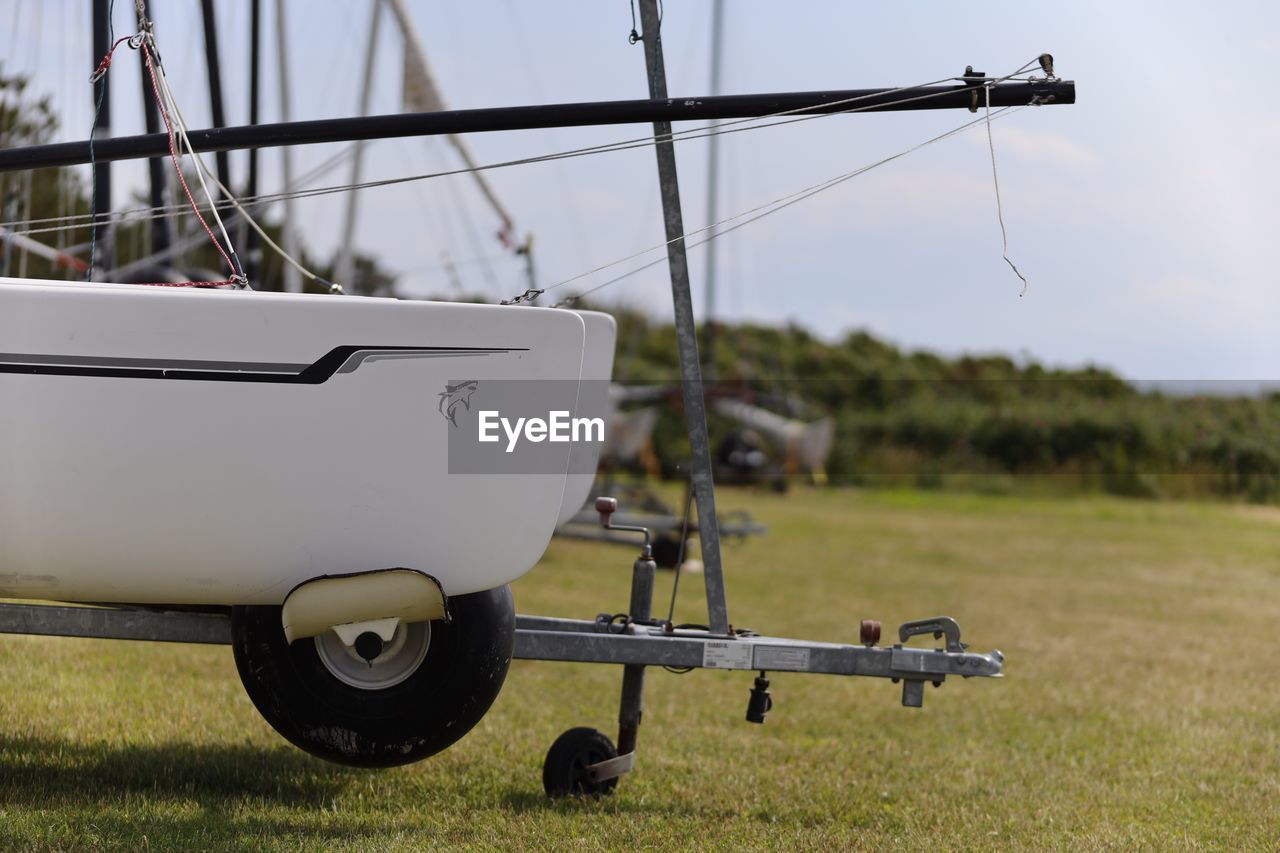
593,402
211,447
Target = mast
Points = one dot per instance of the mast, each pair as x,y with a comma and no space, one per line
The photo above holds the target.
343,267
292,280
248,237
695,405
422,93
215,83
102,230
157,176
713,195
589,114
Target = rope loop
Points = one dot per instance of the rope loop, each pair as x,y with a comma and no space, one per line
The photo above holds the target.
134,41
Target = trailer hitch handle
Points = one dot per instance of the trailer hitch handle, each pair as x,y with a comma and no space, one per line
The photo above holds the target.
607,507
939,626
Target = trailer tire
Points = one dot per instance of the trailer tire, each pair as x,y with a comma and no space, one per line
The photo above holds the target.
564,772
421,714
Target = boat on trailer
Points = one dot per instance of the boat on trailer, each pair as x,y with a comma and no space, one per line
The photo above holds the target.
273,471
286,458
181,445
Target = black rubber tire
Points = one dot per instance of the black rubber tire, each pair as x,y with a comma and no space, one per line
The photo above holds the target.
564,771
432,709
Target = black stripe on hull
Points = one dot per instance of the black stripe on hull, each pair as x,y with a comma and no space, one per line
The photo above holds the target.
224,371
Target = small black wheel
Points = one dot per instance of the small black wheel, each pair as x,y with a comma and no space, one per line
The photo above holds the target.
565,770
419,694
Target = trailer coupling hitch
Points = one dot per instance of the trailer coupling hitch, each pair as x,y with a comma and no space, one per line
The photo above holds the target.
914,670
939,626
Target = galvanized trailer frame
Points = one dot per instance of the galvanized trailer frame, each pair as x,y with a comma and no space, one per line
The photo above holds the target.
634,640
599,640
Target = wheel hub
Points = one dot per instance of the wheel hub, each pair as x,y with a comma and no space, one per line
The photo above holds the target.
370,665
368,646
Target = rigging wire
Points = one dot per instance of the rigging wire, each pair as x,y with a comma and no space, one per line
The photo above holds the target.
306,273
568,197
760,211
176,128
639,142
733,126
621,145
684,543
182,245
175,123
322,168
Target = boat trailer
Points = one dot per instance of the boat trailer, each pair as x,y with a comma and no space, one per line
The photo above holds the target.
582,760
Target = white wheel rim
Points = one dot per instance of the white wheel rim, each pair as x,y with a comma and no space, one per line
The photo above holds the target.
398,660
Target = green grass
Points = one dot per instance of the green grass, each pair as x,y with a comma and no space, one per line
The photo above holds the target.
1139,707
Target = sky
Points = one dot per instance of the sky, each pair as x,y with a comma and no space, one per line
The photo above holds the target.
1144,216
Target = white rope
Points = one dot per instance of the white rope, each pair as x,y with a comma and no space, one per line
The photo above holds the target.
995,180
180,124
289,259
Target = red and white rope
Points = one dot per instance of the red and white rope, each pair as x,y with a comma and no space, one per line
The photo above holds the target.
168,112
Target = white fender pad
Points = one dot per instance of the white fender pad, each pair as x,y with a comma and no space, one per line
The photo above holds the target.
317,605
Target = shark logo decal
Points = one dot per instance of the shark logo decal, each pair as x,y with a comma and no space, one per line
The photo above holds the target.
457,394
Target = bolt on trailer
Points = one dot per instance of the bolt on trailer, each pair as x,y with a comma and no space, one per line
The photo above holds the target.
371,625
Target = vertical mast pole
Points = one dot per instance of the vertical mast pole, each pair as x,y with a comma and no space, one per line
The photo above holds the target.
343,267
249,237
215,83
695,407
713,194
102,104
422,94
155,166
292,280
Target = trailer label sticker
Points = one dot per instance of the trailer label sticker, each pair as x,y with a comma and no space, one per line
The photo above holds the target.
782,658
726,655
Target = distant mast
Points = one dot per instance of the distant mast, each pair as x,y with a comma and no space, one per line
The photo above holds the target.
422,94
344,266
292,280
713,195
102,231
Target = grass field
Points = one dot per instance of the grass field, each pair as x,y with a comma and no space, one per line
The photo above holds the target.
1139,708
